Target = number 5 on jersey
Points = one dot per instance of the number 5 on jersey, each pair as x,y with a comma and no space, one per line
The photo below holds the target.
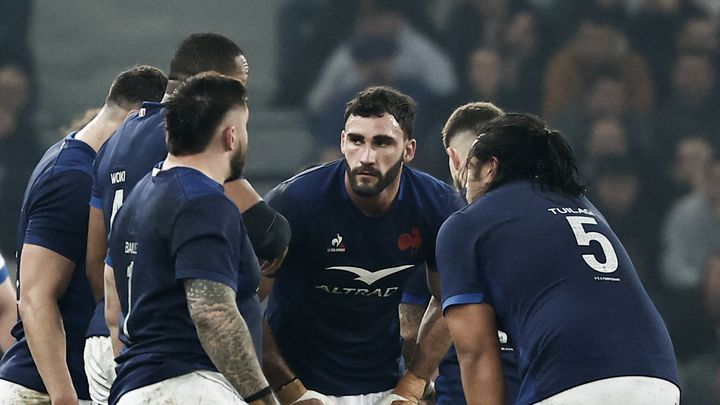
584,238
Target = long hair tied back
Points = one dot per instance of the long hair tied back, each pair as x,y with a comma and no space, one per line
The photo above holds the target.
526,149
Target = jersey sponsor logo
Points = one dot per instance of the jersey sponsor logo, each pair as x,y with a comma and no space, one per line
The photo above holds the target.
410,241
370,277
359,292
336,245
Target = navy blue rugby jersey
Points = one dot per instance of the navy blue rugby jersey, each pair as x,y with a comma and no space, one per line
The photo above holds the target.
54,215
561,284
333,309
175,225
125,158
448,383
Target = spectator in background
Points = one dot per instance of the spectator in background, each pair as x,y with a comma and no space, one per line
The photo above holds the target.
597,48
417,58
700,374
617,190
694,105
484,78
373,58
653,31
606,98
524,58
691,232
698,35
692,156
19,151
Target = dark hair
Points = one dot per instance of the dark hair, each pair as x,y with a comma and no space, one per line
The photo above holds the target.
204,52
469,117
376,101
197,108
141,83
526,149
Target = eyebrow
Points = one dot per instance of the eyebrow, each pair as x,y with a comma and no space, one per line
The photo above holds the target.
376,137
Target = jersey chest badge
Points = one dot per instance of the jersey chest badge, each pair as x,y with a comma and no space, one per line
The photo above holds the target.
410,241
336,245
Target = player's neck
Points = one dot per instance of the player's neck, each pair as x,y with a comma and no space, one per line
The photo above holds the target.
100,128
211,166
377,205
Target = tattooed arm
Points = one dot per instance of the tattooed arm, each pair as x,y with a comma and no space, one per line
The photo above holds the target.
410,317
225,337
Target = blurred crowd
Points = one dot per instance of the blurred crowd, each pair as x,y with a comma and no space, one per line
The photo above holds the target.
632,84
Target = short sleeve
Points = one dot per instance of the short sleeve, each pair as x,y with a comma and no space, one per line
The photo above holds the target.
279,199
460,276
58,214
415,291
206,241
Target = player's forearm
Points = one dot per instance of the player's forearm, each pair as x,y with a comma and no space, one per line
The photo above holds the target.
225,337
8,314
433,342
96,251
46,338
112,309
410,317
482,378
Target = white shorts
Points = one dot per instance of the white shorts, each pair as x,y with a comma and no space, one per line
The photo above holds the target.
198,387
362,399
99,367
16,394
620,391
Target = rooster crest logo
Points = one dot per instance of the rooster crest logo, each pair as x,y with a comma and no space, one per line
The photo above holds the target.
336,245
410,241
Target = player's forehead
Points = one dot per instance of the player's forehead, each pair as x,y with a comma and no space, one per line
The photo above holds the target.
385,125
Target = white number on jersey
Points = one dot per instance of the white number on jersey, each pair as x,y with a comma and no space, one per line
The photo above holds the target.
117,203
584,238
129,292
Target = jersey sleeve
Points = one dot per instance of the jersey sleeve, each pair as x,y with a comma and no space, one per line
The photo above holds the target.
206,241
58,216
415,291
460,276
279,200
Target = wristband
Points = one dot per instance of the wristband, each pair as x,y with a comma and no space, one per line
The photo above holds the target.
290,392
260,394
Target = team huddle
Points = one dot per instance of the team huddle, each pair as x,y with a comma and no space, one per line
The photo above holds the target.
144,257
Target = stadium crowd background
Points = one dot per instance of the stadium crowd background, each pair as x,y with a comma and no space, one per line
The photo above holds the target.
632,84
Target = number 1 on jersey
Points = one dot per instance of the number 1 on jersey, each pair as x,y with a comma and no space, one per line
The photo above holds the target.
129,292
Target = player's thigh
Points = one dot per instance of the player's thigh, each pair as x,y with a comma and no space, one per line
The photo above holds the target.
99,367
629,390
16,394
364,399
193,388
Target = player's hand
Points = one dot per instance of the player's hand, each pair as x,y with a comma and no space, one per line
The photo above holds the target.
410,389
295,393
269,267
65,398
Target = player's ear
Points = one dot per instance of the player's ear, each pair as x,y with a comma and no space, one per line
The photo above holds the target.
409,150
230,140
493,164
342,141
454,158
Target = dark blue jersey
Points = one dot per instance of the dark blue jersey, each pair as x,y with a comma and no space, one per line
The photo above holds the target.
561,284
448,384
54,215
125,158
175,225
333,309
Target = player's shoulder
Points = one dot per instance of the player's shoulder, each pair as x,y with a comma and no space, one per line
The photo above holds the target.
309,185
428,192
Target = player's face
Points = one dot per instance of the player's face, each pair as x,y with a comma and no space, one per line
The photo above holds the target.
375,149
238,119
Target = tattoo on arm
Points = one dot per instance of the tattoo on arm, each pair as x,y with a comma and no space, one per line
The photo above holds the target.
224,334
410,317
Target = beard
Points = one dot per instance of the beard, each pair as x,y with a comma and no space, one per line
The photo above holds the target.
365,189
237,164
